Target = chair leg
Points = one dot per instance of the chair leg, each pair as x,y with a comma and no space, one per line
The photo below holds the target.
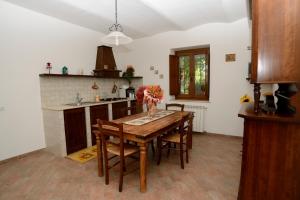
106,170
181,156
153,149
159,150
187,154
121,175
169,149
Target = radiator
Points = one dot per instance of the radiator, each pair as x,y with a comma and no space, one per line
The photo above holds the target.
199,116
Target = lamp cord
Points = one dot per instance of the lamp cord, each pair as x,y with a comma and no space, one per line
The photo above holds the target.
116,26
116,11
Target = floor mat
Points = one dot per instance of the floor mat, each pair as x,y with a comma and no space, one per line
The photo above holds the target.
84,155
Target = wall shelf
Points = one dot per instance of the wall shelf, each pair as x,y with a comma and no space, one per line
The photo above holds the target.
85,76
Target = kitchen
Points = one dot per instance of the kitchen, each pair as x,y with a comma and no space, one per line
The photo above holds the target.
72,103
70,85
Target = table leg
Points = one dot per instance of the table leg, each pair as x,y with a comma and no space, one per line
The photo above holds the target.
143,167
99,155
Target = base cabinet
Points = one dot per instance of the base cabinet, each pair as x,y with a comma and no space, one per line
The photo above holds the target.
75,129
135,107
119,109
97,112
68,131
271,157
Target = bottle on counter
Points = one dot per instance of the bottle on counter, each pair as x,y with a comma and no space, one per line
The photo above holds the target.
97,98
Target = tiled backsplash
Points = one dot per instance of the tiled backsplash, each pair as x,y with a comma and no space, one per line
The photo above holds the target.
62,90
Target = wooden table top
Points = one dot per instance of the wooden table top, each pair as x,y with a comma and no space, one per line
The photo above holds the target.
149,129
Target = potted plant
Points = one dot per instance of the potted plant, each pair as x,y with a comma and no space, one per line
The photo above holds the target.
128,74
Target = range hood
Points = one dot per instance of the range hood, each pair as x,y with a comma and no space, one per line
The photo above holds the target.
105,63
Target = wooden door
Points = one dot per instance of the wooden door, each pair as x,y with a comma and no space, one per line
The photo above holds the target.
97,112
119,109
75,129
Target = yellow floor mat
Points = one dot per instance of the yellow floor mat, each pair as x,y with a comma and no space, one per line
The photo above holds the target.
84,155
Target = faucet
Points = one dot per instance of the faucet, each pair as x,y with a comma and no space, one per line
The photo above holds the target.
78,99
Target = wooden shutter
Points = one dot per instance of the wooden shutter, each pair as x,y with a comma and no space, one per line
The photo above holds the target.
173,75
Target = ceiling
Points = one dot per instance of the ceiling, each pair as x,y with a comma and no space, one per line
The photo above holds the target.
140,18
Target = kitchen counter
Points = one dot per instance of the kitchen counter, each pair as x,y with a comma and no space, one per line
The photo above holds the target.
54,122
66,107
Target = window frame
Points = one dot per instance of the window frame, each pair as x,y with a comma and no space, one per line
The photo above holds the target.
192,53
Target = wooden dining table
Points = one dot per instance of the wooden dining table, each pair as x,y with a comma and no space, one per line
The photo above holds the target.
142,135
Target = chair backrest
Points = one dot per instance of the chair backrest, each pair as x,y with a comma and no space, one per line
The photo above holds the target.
108,129
189,127
186,125
175,105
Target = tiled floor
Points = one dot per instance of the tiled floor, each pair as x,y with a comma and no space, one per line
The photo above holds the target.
213,173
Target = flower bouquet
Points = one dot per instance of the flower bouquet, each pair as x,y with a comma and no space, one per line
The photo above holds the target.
150,95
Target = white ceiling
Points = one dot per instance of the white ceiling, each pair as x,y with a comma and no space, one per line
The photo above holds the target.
140,18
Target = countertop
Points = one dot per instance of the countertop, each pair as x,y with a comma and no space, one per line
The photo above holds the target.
247,112
66,107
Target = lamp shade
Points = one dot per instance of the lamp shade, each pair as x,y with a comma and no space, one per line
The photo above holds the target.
116,38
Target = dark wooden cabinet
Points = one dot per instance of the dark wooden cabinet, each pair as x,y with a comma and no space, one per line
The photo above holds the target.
271,157
75,129
135,107
275,41
119,109
97,112
275,44
271,143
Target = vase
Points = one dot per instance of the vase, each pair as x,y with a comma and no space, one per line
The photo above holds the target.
151,110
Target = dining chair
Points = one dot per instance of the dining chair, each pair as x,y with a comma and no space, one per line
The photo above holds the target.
176,106
180,136
118,149
173,106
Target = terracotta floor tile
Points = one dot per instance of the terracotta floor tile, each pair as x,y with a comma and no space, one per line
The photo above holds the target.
212,174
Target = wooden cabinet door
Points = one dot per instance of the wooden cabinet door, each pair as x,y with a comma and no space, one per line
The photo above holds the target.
75,129
97,112
119,109
135,107
276,41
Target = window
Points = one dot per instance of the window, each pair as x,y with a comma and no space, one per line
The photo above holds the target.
189,74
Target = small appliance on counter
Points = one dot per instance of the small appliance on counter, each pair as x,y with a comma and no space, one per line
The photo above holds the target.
122,91
130,92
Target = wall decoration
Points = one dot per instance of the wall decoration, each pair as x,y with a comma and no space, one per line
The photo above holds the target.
161,76
151,68
156,72
230,57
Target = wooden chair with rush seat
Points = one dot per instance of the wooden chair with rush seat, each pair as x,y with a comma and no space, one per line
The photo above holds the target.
173,106
177,106
179,136
121,149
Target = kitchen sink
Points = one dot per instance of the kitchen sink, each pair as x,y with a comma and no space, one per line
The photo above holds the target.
82,103
92,102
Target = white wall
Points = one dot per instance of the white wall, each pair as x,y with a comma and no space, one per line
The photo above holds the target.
227,80
27,41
